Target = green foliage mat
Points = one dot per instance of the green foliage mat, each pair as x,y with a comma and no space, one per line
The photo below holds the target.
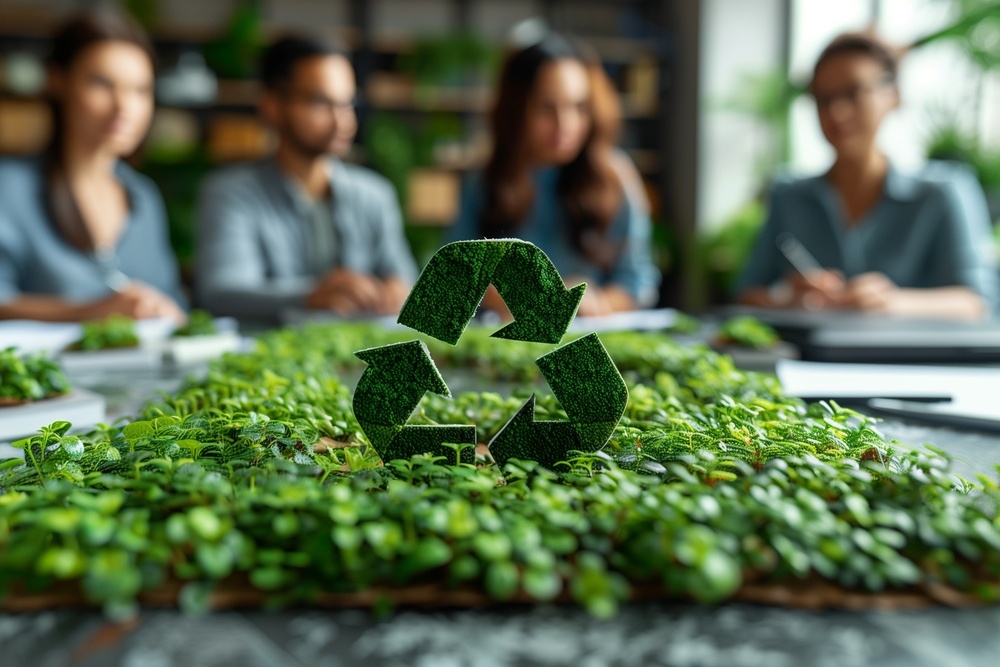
29,378
113,332
255,484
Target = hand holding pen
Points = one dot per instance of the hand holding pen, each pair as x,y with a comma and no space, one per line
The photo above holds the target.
809,285
128,297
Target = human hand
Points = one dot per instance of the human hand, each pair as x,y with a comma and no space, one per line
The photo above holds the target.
394,292
815,290
594,303
346,293
873,292
136,300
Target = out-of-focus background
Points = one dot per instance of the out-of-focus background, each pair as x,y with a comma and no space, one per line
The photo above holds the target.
712,91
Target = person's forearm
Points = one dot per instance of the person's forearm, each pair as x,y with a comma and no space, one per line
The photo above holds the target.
960,303
44,308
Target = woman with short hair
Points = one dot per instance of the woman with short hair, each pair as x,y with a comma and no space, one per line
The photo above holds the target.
884,241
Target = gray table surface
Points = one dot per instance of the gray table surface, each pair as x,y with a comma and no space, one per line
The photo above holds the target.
643,634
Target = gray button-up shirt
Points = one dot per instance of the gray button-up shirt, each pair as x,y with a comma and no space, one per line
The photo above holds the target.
36,259
929,229
257,239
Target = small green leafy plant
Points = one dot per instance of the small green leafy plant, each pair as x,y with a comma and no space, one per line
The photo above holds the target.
200,323
747,332
113,332
29,378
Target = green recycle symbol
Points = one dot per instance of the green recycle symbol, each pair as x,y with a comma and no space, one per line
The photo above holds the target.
441,304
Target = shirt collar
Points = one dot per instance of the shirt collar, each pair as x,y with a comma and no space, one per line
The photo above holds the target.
899,186
299,200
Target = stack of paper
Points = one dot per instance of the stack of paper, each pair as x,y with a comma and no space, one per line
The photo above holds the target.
958,395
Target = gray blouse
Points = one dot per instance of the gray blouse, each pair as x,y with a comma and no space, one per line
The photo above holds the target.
262,244
36,259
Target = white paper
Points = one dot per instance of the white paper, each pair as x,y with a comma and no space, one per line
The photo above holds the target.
635,320
966,385
193,350
30,336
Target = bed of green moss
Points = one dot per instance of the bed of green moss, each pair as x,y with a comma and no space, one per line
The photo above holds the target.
713,479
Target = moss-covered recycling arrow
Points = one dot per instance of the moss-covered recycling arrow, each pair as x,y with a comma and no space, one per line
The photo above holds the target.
451,286
590,389
390,389
441,304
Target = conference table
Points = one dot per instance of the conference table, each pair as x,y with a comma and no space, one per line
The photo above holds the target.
673,634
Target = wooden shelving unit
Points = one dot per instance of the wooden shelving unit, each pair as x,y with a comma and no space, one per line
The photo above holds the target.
228,129
385,91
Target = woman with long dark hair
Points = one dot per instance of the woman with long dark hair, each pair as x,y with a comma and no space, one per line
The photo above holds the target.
82,235
556,179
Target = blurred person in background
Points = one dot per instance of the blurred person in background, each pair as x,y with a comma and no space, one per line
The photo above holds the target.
556,179
910,245
82,234
302,229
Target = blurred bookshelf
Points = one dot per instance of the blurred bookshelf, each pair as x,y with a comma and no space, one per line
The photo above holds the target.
425,71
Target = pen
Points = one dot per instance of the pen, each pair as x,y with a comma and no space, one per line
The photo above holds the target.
799,257
112,275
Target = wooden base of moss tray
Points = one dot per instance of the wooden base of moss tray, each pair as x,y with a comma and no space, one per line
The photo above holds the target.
812,594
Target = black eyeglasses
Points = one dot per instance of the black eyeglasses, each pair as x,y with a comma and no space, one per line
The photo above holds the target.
853,95
319,102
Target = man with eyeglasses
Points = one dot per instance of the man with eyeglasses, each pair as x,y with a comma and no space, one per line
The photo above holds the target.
302,229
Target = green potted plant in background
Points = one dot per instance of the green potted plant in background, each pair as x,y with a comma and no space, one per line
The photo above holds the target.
766,98
461,60
452,72
976,30
235,53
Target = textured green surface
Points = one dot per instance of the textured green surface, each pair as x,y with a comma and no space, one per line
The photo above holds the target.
453,283
390,389
592,392
581,374
545,442
713,479
457,444
536,296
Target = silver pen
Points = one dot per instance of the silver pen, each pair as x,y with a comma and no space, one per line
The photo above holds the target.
799,257
113,277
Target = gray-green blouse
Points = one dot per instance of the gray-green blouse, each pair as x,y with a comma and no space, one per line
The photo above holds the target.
929,229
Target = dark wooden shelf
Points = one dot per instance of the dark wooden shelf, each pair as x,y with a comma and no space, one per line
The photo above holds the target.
611,49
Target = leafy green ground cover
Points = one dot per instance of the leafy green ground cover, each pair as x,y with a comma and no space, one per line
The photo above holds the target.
199,323
112,332
714,479
29,378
